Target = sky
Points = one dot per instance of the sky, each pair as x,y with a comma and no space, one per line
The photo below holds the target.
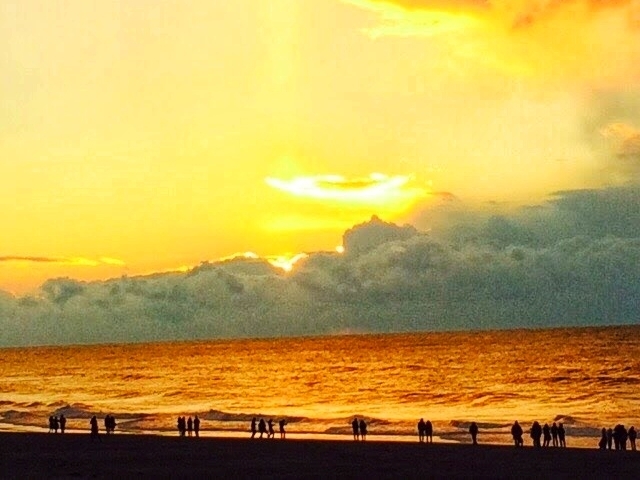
145,137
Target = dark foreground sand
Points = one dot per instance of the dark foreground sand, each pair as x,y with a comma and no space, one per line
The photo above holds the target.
35,455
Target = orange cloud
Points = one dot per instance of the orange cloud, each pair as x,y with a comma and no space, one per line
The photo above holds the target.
591,41
625,137
73,261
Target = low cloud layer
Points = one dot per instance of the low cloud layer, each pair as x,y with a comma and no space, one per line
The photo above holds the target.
572,261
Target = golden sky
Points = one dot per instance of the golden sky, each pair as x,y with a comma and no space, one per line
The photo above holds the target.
150,135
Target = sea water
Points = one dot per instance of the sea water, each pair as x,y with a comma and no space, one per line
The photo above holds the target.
585,378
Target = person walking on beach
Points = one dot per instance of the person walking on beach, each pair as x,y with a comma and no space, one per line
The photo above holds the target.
182,427
262,427
51,424
516,433
421,427
428,432
546,434
196,426
56,424
254,428
554,434
602,444
562,435
94,428
272,432
355,426
190,426
63,423
363,430
632,437
609,438
473,431
536,433
281,425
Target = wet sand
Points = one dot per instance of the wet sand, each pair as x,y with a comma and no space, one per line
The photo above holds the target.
38,455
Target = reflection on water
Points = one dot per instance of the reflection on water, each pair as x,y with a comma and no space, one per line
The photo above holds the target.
585,378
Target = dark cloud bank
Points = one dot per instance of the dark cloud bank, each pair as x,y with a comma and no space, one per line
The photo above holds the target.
572,261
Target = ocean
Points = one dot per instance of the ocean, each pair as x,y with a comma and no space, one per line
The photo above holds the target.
585,378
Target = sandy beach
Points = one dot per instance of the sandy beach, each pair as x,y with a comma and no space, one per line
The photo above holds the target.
37,455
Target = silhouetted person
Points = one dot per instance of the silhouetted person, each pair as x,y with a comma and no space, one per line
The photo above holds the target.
182,426
355,426
262,427
56,424
63,423
281,425
516,433
473,431
254,428
602,444
421,427
616,436
196,426
536,434
632,437
428,432
546,435
51,424
609,438
562,435
190,426
624,435
94,428
363,429
554,434
272,432
109,424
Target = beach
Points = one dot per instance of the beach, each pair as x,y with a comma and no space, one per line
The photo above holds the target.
37,455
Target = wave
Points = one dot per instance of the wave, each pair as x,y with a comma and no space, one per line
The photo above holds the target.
220,416
465,424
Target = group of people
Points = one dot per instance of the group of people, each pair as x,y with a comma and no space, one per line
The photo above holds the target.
541,436
263,428
554,433
189,426
57,422
109,424
425,431
359,428
618,436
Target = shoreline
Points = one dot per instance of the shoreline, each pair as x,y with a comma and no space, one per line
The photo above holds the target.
485,438
34,455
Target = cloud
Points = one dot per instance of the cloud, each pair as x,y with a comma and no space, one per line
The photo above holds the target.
73,261
626,139
590,42
574,260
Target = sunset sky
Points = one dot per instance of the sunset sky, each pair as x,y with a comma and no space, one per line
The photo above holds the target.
151,135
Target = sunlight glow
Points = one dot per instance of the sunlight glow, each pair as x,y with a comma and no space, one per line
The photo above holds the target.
286,262
376,189
233,256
